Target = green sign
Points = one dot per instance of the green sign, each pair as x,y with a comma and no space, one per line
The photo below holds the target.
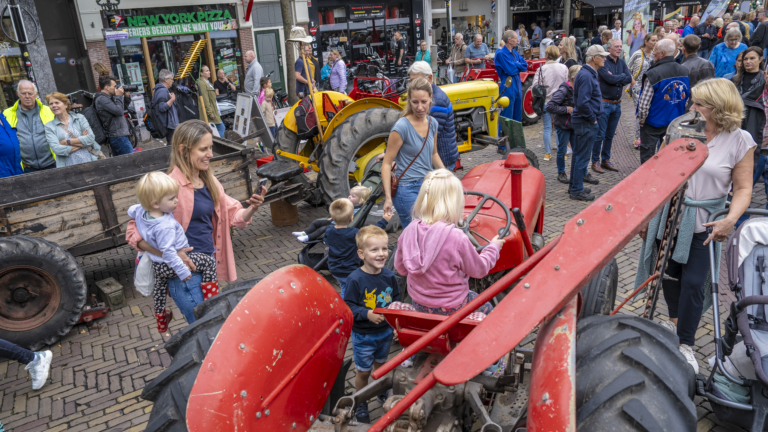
178,18
177,29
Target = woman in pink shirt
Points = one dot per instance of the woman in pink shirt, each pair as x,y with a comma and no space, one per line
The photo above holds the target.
205,212
437,257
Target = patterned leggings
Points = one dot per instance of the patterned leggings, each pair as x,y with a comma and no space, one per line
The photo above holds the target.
486,308
205,264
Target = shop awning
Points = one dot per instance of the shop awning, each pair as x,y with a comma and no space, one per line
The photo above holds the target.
604,7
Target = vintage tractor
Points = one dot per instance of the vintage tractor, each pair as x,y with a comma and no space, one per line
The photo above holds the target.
271,357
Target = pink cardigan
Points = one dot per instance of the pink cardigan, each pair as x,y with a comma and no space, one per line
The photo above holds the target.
228,213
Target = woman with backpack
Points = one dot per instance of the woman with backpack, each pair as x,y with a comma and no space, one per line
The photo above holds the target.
561,106
550,75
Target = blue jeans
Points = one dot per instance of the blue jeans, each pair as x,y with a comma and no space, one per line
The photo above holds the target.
221,128
584,136
759,171
563,137
705,54
607,122
535,43
14,352
369,348
120,146
342,283
547,117
273,129
404,199
187,294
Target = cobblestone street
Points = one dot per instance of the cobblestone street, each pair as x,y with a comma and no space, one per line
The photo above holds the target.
98,372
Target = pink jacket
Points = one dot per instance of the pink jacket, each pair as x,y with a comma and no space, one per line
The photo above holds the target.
228,213
438,260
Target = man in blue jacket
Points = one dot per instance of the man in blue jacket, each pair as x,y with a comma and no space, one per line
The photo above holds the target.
442,111
509,63
665,92
588,108
613,76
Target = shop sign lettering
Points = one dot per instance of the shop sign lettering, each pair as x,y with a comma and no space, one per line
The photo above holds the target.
178,18
178,29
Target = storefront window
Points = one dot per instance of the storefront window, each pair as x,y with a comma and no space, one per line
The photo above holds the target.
227,55
334,33
11,69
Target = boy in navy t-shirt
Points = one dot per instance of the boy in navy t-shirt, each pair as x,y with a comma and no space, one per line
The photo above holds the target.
343,258
370,287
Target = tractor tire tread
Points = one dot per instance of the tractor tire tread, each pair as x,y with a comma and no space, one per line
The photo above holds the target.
599,295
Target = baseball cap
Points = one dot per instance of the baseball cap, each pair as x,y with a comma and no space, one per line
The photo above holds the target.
596,50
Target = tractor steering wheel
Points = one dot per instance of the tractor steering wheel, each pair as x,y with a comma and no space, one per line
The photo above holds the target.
464,225
400,86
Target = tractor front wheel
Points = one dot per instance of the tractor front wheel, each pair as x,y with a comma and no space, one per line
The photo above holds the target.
529,115
630,376
599,295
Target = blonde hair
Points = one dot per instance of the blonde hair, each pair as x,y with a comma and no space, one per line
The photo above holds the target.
153,187
552,52
572,71
61,97
367,232
569,48
441,198
268,93
417,84
185,138
361,192
341,211
720,95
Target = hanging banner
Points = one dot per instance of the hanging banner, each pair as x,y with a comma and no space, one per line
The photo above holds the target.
178,29
716,8
636,16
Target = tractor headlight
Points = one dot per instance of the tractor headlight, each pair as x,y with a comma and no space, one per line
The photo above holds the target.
503,102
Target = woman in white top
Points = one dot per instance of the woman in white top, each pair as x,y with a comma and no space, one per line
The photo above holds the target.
551,74
730,160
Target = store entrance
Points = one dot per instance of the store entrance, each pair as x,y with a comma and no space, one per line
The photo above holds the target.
269,56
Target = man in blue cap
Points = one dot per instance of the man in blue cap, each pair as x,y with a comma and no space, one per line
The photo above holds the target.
509,63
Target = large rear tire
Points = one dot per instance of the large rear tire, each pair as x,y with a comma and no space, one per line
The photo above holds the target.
529,115
630,376
42,291
599,295
345,142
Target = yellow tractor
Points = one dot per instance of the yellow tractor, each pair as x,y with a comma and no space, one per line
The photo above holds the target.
355,132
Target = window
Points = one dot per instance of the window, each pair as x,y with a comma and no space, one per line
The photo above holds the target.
266,15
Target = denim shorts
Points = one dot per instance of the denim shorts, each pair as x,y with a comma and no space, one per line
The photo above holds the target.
369,348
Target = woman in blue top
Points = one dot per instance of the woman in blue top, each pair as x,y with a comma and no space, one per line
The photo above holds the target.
724,55
423,53
415,130
10,156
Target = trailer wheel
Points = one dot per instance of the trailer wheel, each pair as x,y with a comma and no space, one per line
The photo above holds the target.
529,115
630,376
599,295
349,140
533,160
42,291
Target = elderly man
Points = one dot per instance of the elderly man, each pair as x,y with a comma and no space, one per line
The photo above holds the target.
587,110
699,69
707,32
302,75
613,77
675,38
477,53
663,96
28,117
689,29
597,39
164,102
442,111
509,63
760,35
536,35
456,59
252,75
616,31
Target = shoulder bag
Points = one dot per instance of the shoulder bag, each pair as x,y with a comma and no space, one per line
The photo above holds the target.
539,93
394,181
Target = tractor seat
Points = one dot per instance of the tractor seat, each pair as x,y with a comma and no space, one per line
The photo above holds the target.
411,325
280,170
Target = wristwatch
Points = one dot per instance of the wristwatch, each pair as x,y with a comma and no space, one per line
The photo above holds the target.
68,143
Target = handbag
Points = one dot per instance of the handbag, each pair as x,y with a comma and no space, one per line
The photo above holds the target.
144,277
394,181
539,93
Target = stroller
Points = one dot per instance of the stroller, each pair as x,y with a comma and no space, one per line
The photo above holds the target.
737,388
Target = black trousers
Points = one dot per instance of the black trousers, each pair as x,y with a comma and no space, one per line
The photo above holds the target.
649,138
169,136
14,352
317,228
685,297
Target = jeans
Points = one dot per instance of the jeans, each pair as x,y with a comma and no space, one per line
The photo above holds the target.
649,141
29,169
584,136
14,352
705,54
370,348
404,199
563,137
342,284
547,117
607,122
221,128
535,43
169,137
685,296
273,129
759,171
187,294
120,146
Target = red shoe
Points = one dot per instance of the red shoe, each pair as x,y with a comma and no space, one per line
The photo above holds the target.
210,289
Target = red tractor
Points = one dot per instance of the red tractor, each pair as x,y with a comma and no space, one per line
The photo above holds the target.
270,357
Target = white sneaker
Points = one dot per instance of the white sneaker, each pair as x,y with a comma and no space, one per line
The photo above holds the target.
299,233
39,369
407,363
669,325
303,238
687,352
569,151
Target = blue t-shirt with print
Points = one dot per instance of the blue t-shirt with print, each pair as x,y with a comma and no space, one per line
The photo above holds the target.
366,292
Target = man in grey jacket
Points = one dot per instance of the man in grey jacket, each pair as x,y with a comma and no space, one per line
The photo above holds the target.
164,102
28,117
253,74
110,108
699,69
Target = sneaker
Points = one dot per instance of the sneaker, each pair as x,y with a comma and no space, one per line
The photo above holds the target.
562,178
299,233
407,363
669,325
39,368
591,180
547,156
583,197
362,415
383,397
569,151
687,352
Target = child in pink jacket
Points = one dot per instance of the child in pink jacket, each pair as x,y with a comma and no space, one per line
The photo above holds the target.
437,257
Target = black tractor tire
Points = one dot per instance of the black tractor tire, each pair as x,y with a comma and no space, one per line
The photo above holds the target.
630,376
533,160
61,266
528,119
200,310
343,144
599,295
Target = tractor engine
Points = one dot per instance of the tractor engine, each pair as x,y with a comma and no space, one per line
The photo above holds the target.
473,118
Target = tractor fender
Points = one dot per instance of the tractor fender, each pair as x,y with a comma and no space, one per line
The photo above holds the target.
523,77
290,118
355,107
274,362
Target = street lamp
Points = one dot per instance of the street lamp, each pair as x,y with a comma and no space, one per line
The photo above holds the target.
109,7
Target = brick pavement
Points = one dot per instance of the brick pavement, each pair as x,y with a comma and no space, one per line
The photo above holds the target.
98,372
